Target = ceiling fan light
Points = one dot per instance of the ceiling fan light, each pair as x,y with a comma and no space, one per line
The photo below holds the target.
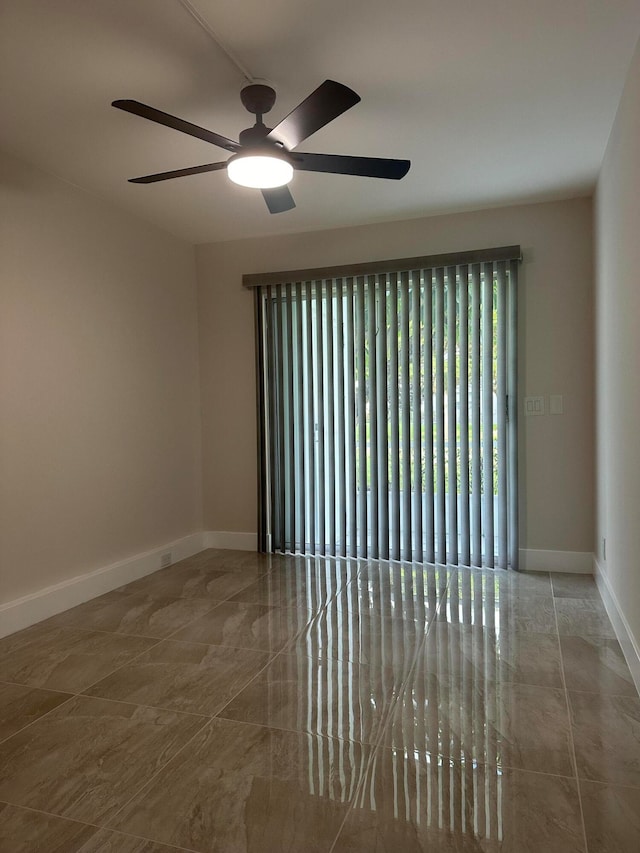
261,171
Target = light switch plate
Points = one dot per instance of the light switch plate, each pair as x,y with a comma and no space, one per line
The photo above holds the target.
533,406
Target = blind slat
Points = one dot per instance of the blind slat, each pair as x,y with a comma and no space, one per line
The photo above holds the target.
476,462
373,421
329,420
381,414
394,421
487,412
290,493
341,480
501,394
465,542
362,419
416,416
512,382
429,522
405,405
440,505
300,477
452,509
319,415
262,425
280,504
271,490
350,425
310,375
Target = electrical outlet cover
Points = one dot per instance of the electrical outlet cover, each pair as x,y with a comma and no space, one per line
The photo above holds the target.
556,404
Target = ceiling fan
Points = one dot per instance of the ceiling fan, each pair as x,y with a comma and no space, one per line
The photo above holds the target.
264,157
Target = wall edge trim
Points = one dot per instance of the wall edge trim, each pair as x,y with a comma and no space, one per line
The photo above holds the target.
231,540
629,644
29,609
573,562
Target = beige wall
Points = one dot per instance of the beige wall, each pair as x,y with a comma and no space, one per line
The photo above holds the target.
99,389
556,352
617,217
99,423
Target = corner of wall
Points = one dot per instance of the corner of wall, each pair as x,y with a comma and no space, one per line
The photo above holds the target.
629,644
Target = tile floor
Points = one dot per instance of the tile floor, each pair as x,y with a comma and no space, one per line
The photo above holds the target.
238,702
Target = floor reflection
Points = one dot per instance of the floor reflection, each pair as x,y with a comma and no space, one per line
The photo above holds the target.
293,703
428,792
439,669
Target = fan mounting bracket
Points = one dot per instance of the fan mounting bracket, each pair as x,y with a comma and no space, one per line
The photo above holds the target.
258,98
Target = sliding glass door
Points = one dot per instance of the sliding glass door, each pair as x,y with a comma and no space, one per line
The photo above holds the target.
387,415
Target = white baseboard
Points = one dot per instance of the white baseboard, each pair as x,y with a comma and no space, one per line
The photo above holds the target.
23,612
628,643
230,539
575,562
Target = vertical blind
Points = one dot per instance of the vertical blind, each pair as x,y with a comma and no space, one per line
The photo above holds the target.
388,412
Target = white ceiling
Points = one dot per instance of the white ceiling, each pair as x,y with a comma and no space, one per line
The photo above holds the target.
494,102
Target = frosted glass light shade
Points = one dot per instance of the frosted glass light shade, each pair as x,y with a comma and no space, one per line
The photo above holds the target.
259,171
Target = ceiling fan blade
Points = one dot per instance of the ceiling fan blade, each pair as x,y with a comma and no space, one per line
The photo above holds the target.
142,110
339,164
178,173
327,102
279,199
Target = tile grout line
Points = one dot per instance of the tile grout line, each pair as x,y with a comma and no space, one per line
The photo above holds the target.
71,694
206,722
97,827
282,651
11,683
379,740
569,720
186,744
199,731
172,599
157,640
90,630
74,695
605,695
163,708
206,719
296,731
111,672
609,784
